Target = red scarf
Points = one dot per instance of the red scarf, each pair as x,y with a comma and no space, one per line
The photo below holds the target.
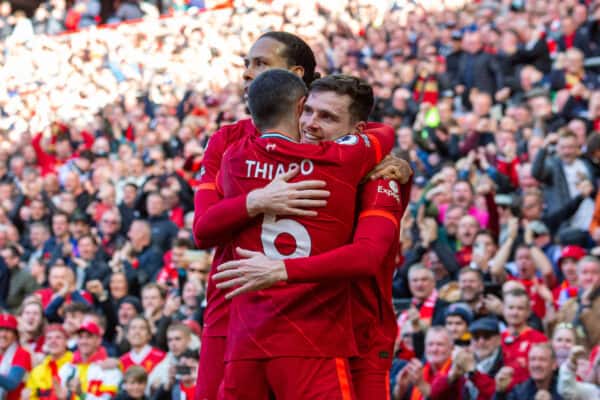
426,90
426,310
428,375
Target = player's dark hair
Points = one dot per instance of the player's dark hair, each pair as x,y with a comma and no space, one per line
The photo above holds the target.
296,52
359,91
273,95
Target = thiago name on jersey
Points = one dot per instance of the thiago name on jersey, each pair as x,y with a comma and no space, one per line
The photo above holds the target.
257,169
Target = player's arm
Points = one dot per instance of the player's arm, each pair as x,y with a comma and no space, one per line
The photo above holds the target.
377,229
380,140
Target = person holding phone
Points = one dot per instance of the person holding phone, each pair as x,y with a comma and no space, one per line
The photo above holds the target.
182,378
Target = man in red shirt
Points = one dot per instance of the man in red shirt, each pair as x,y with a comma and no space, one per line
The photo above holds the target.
382,204
286,325
15,361
271,50
518,337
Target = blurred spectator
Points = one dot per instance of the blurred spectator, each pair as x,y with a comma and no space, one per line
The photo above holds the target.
569,386
134,384
31,327
16,361
181,378
141,354
43,381
518,338
179,339
21,284
416,379
84,374
542,364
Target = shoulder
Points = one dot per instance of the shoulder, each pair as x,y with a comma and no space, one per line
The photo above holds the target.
157,352
22,358
231,132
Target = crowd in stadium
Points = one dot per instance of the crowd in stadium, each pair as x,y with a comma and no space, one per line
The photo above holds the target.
494,104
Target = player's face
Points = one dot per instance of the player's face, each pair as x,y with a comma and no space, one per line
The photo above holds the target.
265,54
325,117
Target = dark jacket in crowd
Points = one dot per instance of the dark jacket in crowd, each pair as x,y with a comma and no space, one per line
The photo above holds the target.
163,231
549,171
480,71
527,390
537,55
587,39
143,269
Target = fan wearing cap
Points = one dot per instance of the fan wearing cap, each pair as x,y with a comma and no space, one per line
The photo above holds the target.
567,262
85,370
40,383
458,318
15,361
473,369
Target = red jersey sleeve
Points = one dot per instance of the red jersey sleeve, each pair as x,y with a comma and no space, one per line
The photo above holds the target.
384,137
378,225
215,218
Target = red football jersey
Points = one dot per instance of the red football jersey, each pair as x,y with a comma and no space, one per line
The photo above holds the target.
515,350
216,314
149,358
372,309
371,256
311,319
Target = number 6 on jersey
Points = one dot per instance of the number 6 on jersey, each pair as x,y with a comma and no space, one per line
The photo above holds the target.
272,229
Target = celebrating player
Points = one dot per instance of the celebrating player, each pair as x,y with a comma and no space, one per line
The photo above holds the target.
286,340
271,50
372,253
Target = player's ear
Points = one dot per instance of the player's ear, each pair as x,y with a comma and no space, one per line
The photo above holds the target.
300,106
360,127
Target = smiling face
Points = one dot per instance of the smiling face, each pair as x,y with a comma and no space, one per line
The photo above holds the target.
541,364
326,117
438,347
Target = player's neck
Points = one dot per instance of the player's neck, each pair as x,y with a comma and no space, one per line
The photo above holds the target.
287,130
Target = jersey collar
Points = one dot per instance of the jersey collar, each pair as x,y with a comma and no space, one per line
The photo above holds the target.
277,135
